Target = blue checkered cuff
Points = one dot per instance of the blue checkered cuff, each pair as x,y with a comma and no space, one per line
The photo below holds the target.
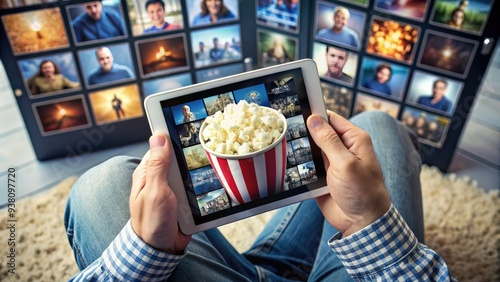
129,258
381,244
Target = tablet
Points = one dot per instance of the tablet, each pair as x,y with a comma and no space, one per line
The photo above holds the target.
294,88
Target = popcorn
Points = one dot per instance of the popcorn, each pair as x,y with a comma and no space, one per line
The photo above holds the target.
242,128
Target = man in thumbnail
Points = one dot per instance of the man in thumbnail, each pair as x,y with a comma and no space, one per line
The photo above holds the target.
335,60
117,106
379,81
438,100
216,53
156,12
97,23
340,32
202,55
108,70
188,115
230,53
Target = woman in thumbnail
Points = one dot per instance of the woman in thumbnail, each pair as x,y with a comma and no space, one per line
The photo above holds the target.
213,11
457,18
49,79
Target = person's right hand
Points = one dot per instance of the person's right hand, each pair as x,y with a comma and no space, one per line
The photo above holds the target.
153,205
358,196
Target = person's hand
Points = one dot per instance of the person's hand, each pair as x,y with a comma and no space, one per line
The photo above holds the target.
358,196
153,205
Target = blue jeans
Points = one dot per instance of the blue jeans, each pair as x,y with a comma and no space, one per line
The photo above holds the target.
293,245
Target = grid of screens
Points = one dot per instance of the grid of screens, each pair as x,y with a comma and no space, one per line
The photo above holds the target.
409,59
284,91
80,61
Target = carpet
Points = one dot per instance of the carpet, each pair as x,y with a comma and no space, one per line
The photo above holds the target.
462,223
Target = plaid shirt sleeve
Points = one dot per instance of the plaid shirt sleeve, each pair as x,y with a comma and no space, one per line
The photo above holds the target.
129,258
387,250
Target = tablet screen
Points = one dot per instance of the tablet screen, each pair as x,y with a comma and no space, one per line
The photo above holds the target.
184,116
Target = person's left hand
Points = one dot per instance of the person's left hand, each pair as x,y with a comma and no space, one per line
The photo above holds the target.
153,205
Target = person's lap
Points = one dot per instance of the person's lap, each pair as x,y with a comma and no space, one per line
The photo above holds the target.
293,244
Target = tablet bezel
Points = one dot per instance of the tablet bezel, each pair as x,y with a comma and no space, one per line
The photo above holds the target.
158,123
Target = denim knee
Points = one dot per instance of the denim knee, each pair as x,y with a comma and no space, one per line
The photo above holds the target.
105,179
374,118
98,207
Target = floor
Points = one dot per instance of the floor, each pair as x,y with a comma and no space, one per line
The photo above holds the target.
478,158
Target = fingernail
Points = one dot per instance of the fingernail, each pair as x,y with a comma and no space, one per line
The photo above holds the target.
315,122
156,141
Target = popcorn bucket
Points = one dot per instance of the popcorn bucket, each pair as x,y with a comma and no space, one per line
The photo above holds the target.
251,176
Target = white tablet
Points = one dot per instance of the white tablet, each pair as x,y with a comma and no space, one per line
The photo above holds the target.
294,88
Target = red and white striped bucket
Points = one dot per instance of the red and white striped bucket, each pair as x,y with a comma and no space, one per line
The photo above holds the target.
251,176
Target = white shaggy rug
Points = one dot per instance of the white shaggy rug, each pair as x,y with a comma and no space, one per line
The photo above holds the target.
462,223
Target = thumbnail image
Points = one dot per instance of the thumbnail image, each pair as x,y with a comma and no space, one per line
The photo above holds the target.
218,102
195,157
464,15
275,48
412,9
50,75
35,31
213,202
450,54
283,96
339,25
203,12
296,128
106,65
290,157
204,180
337,99
157,16
162,55
218,72
392,39
162,84
191,111
116,104
292,178
302,150
431,129
434,93
189,133
307,172
282,14
335,64
384,78
367,103
96,21
254,94
216,45
62,115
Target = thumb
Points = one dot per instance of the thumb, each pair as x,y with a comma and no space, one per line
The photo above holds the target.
158,163
327,139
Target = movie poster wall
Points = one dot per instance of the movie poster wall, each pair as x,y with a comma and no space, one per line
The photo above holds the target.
92,63
409,59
